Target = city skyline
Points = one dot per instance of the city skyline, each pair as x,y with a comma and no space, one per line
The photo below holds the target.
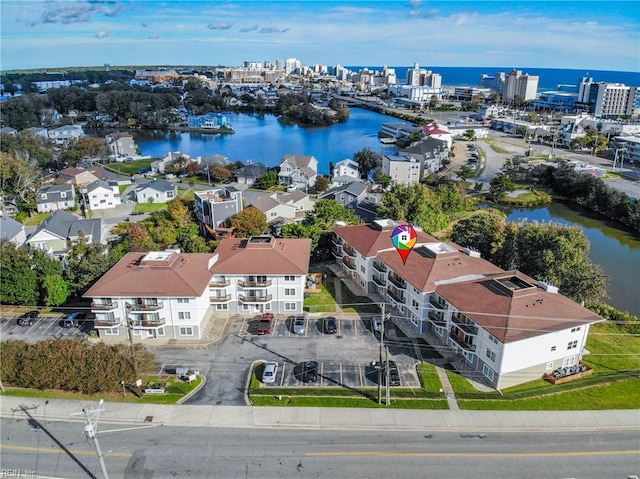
534,34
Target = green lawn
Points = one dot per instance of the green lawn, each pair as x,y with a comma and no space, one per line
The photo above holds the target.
130,168
492,144
429,377
149,207
36,219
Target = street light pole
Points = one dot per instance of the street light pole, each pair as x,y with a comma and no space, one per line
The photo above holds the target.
381,349
90,430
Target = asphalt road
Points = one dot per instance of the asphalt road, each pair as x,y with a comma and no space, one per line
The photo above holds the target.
60,450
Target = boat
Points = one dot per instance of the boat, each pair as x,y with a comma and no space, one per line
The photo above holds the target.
387,141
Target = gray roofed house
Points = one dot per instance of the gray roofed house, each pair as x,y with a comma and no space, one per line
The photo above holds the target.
248,175
156,191
53,233
12,230
354,196
37,131
103,195
56,197
7,130
284,207
298,171
429,152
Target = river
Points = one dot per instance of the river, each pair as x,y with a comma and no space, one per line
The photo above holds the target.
266,139
617,252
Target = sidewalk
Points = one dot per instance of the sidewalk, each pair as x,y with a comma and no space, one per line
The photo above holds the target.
327,418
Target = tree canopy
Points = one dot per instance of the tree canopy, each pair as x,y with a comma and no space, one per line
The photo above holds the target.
249,222
367,160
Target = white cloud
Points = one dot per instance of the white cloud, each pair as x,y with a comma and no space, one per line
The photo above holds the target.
102,34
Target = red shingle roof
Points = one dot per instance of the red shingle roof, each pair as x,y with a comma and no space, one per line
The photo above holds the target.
170,274
368,240
263,255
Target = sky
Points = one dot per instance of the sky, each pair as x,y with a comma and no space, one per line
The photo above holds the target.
584,34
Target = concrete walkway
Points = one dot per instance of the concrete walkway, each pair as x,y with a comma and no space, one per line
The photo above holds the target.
337,287
447,389
325,418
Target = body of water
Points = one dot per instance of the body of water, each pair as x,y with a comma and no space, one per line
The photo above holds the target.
615,251
266,139
550,78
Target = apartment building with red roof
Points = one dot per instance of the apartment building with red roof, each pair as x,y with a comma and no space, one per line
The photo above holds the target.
504,325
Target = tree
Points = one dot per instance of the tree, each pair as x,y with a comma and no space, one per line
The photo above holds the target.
469,135
479,231
249,222
86,263
322,183
465,172
56,290
499,185
381,179
18,280
268,180
219,173
367,161
19,179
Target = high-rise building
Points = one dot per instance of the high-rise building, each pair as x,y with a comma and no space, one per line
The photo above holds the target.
417,76
608,99
519,88
292,65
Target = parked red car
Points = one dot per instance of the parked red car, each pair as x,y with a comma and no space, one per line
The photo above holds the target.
264,326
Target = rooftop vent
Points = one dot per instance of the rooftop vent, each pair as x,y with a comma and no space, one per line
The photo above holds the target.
547,286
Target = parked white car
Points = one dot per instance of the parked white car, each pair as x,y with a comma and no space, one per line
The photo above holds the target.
269,373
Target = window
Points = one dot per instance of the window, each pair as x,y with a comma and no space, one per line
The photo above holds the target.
549,365
160,331
273,214
573,330
570,361
414,303
494,339
491,355
63,194
111,331
488,372
186,331
43,196
183,300
290,291
245,307
289,278
222,307
184,315
289,306
553,348
572,345
362,269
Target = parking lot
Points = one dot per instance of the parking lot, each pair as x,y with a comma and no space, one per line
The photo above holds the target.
344,357
45,327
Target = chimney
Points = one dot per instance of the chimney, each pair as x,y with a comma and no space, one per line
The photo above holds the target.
547,286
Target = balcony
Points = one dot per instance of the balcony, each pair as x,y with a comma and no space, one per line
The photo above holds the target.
465,327
106,306
437,318
106,323
220,299
349,251
395,297
147,306
254,283
380,280
397,280
433,302
214,283
148,323
379,267
337,251
460,342
349,263
255,299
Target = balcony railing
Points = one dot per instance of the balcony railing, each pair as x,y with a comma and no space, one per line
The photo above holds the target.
337,251
220,299
395,296
214,283
397,280
465,327
379,267
104,306
349,251
435,304
147,306
255,299
460,342
106,323
348,264
437,318
254,284
148,323
379,280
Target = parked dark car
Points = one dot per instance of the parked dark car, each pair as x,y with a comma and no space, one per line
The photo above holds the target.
73,320
330,325
310,372
27,319
394,375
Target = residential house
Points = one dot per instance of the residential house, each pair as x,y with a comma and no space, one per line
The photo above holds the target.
37,131
121,145
501,325
402,170
66,133
207,161
103,195
298,171
210,121
156,191
160,295
50,116
344,172
249,175
348,195
12,230
213,207
54,233
399,131
284,207
170,158
260,274
430,152
56,197
7,130
79,177
439,132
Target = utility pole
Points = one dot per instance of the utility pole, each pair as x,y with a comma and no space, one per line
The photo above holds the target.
90,430
381,350
128,308
386,371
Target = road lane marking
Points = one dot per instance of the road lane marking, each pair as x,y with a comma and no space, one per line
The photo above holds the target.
75,452
472,454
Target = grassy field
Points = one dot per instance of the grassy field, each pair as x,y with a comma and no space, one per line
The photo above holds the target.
129,168
149,207
36,219
494,146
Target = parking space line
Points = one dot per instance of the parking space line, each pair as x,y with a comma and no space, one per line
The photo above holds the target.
341,381
50,324
284,367
361,378
321,368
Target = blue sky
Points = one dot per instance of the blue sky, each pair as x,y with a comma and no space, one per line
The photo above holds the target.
591,35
